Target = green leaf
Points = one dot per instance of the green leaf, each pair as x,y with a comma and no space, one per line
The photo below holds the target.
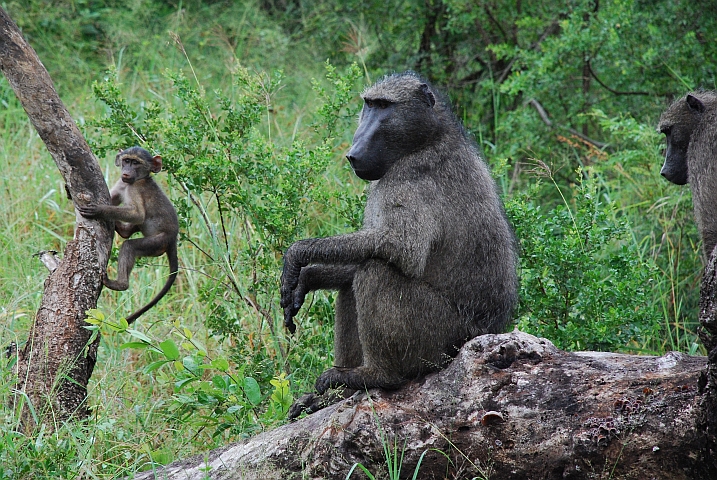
94,316
220,364
252,390
154,366
139,345
170,350
184,382
137,334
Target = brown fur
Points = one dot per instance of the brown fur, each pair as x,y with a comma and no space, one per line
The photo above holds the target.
139,205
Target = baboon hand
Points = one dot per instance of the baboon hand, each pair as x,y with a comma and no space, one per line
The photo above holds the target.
289,280
90,211
292,296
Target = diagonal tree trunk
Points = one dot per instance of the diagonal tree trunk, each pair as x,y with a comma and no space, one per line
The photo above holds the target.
55,364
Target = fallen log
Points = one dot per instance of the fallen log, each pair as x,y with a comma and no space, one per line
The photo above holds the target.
510,406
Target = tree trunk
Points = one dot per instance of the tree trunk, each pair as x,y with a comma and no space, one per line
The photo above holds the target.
510,406
708,334
54,366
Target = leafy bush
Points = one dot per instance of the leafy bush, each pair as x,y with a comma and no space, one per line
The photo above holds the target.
243,197
583,285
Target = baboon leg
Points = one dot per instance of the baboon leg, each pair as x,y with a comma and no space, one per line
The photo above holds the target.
347,346
153,246
394,314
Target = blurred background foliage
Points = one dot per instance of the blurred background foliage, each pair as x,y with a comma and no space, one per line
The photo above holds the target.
253,103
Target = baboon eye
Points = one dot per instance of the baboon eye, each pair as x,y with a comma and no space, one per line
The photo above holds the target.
377,103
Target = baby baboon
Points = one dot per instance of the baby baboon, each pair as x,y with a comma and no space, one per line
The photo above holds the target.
139,205
435,262
690,125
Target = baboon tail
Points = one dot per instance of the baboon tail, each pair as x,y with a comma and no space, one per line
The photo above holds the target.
173,268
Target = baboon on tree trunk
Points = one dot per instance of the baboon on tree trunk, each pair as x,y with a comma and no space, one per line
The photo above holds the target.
139,205
690,125
435,262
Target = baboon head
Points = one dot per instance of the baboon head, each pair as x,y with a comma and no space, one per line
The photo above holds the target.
137,163
399,117
677,123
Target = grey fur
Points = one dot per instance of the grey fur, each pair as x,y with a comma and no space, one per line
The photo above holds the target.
690,125
435,262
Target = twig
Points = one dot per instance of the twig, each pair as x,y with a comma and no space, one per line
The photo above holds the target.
614,92
544,116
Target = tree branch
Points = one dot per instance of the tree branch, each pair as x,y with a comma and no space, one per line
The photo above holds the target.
602,84
54,366
509,406
546,119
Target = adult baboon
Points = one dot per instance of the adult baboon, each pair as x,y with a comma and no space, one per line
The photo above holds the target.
690,125
435,262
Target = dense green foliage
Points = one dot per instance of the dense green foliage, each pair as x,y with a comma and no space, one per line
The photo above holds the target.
253,122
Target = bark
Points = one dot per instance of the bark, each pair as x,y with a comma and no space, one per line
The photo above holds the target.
54,366
510,406
708,320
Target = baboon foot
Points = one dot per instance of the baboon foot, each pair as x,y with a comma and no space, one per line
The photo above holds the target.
115,284
312,402
359,378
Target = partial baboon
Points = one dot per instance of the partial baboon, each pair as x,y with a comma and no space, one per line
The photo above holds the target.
435,262
690,125
139,205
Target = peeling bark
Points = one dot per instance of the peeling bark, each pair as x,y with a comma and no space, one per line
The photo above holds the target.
54,366
510,406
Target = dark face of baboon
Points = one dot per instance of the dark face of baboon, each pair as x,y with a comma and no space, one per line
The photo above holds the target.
435,262
677,123
392,125
690,125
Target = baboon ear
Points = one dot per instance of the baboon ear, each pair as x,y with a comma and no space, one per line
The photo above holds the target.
428,96
156,165
117,158
695,104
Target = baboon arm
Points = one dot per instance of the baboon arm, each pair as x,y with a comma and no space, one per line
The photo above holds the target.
133,214
315,277
116,197
326,277
407,248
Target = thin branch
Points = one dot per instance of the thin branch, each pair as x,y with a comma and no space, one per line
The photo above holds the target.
614,92
544,116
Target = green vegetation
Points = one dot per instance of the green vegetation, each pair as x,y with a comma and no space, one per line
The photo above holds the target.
253,122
